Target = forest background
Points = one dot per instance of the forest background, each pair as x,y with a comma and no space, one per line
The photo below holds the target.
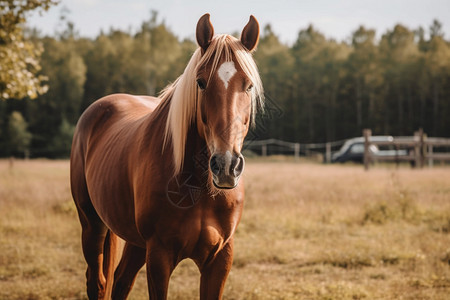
318,89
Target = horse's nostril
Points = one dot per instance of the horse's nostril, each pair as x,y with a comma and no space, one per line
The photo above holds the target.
226,166
238,167
214,165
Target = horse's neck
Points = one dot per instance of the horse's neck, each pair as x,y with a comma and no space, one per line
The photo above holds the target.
196,157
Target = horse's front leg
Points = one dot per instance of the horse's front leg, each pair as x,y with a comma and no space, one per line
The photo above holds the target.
160,264
214,275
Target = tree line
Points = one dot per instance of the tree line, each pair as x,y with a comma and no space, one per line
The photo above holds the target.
317,89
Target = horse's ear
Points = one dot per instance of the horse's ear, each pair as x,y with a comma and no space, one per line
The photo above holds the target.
250,34
205,32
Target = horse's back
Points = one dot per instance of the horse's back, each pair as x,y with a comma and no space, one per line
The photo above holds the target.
110,113
115,108
106,124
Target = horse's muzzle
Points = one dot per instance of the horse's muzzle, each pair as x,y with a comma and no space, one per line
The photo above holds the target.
226,169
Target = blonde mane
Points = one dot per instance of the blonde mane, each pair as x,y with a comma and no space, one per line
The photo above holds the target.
183,93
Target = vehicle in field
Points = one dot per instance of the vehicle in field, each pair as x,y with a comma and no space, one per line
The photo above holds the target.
353,150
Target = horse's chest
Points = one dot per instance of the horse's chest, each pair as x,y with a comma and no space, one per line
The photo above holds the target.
212,239
200,240
199,233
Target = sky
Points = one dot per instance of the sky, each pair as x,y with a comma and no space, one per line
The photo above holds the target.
335,19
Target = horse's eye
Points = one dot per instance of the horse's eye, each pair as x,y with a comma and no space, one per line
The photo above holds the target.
250,87
201,83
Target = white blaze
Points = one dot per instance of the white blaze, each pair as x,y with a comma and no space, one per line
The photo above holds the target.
226,72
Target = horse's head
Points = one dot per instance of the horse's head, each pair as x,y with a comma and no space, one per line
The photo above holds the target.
229,86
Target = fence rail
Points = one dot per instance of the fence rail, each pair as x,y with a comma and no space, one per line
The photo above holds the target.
295,148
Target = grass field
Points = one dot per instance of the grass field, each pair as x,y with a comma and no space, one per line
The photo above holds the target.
308,231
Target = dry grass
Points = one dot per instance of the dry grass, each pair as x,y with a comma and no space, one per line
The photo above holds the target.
308,231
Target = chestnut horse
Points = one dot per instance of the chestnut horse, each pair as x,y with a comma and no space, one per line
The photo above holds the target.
163,173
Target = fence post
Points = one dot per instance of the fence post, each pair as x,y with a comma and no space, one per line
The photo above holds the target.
264,150
328,152
296,150
11,162
418,138
422,147
366,133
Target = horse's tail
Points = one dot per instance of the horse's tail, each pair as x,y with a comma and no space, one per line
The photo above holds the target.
111,255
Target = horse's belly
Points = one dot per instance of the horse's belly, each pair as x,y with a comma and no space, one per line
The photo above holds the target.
119,218
128,233
115,206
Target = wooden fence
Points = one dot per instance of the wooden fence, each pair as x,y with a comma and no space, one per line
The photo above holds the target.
419,147
297,149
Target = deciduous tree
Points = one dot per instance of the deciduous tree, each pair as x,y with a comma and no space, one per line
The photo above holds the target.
19,57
